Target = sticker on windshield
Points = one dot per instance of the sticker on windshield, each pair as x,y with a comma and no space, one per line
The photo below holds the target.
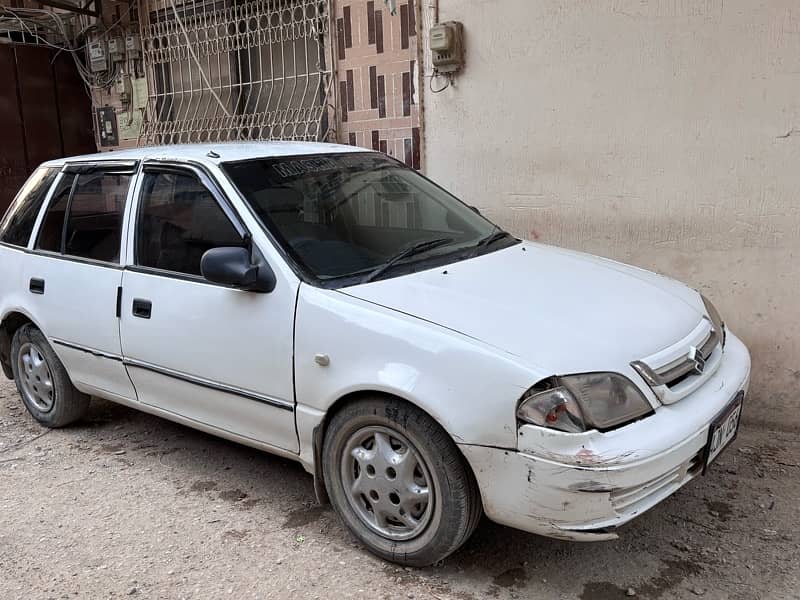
295,168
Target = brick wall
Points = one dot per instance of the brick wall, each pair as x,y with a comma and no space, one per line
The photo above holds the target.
378,78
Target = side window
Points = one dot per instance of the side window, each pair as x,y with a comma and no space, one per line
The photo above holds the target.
17,226
53,225
94,222
95,216
179,220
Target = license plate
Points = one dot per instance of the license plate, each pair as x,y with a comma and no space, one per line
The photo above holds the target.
724,428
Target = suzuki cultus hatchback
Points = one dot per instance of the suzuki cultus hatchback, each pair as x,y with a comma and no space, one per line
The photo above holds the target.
328,304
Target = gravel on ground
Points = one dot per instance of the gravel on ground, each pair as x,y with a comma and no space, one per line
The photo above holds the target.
126,505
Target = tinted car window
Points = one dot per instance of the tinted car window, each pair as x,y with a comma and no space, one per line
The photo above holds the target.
179,220
342,215
17,226
95,216
52,227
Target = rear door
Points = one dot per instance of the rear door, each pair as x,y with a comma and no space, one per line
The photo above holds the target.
210,353
74,272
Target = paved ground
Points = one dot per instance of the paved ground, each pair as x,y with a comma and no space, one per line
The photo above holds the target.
128,505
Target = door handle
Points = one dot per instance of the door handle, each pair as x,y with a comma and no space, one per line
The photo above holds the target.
142,308
36,286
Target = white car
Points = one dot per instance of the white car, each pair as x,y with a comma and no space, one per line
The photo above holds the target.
328,304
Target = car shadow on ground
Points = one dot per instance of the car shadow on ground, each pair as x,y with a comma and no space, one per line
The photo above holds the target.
682,548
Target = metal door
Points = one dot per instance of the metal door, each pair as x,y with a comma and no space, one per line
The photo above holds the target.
45,113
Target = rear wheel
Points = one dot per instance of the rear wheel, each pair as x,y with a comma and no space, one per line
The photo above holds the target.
398,481
42,381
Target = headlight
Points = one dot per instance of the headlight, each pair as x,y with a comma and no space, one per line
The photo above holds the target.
555,408
716,319
575,403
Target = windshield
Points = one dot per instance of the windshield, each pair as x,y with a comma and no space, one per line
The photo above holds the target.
346,215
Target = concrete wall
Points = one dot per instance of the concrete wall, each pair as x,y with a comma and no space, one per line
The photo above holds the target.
665,134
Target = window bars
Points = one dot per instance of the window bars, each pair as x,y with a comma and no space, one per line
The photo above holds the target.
230,70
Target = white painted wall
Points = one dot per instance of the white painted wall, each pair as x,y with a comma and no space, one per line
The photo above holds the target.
663,133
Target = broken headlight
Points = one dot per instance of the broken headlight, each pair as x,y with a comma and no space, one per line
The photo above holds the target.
575,403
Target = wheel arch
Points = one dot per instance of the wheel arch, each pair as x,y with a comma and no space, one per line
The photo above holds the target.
9,325
318,435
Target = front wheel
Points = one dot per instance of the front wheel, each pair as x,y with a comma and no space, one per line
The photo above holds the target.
398,481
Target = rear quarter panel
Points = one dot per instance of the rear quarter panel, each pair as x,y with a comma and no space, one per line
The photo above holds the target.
12,292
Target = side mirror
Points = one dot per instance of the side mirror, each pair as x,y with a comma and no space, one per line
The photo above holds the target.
233,266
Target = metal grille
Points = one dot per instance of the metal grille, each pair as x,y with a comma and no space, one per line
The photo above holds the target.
232,71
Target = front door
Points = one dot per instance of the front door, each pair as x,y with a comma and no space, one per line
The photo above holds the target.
209,353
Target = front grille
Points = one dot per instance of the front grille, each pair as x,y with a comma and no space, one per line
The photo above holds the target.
673,374
677,371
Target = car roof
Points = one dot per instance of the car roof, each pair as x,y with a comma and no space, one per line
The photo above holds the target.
214,153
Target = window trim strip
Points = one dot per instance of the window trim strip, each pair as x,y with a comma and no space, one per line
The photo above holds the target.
77,259
65,224
176,275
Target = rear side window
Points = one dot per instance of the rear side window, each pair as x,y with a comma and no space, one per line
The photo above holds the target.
93,209
179,220
17,226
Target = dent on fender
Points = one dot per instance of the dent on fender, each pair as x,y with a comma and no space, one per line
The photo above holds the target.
399,376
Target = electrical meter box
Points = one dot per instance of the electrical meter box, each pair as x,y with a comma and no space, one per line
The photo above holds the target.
447,46
116,49
107,126
98,60
123,88
133,46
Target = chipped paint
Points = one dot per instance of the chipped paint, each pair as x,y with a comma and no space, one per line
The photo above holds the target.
577,486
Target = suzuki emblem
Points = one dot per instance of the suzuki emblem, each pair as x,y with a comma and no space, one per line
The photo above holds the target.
696,357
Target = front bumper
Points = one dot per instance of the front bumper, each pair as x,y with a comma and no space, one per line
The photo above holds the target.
581,486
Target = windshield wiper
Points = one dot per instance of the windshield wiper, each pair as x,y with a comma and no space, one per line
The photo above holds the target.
489,240
417,248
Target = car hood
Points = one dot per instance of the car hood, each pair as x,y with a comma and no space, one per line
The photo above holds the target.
560,311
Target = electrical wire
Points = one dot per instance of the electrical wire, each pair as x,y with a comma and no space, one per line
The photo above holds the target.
37,22
440,90
57,18
27,21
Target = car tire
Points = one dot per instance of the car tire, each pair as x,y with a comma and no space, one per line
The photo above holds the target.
398,481
42,380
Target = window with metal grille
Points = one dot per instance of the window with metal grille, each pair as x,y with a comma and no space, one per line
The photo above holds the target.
231,70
